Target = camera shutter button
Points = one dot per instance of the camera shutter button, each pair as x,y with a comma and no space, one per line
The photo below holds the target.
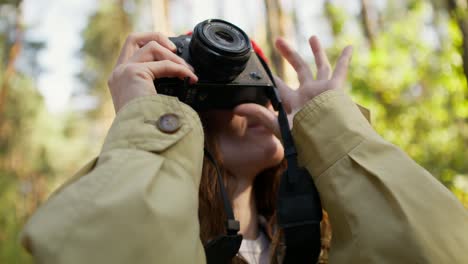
168,123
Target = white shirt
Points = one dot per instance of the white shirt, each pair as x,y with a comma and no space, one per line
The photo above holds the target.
256,251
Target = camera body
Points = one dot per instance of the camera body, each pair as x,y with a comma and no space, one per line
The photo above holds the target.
229,71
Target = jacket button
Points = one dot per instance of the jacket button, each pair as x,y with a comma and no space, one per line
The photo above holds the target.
168,123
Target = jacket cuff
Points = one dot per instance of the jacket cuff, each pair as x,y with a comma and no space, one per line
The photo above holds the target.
327,128
136,124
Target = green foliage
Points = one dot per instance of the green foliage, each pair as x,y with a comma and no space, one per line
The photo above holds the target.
35,149
415,89
35,152
19,158
14,3
109,27
337,18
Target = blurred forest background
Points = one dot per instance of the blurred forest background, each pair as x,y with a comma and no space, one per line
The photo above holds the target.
410,68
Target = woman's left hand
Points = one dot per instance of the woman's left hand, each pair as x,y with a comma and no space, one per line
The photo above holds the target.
309,87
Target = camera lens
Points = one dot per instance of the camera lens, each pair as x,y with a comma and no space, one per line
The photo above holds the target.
219,51
224,37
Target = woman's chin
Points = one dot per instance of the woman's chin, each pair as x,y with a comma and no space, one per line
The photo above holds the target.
273,152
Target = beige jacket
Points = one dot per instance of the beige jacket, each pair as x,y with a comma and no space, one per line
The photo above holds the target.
137,202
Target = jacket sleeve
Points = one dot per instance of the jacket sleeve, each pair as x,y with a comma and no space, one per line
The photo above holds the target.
137,203
383,207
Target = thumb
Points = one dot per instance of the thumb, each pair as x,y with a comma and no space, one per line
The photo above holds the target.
260,114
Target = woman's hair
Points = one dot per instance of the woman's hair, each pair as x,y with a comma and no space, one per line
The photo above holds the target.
211,212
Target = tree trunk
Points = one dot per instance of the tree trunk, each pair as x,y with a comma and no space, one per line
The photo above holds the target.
10,65
459,11
161,20
275,28
370,27
297,26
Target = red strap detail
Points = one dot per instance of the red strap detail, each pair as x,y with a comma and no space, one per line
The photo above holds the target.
259,51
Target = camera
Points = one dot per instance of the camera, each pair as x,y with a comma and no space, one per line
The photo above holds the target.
229,71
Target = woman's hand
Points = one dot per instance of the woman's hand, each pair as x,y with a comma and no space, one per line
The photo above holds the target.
143,58
294,99
309,87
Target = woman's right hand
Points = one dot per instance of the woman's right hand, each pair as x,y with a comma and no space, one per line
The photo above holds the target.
143,58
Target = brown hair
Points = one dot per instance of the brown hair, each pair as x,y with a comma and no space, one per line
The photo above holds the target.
211,212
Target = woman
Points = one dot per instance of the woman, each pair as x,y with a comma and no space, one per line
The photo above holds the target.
246,142
139,200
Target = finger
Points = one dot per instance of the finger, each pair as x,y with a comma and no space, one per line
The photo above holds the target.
286,94
167,68
296,61
153,51
260,114
341,69
137,40
321,59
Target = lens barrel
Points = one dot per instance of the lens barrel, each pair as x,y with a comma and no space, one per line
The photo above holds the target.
219,51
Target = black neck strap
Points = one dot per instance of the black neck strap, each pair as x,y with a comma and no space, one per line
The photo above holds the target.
299,209
225,247
232,225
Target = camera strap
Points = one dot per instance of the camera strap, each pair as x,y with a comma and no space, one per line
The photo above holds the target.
299,210
224,247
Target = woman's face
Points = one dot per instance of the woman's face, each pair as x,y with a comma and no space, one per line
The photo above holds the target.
247,147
